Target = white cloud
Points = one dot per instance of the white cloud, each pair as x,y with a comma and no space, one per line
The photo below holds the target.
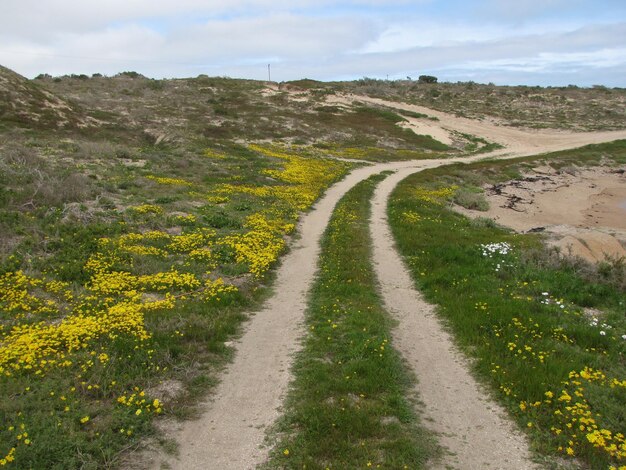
523,9
282,36
39,18
302,38
547,61
425,33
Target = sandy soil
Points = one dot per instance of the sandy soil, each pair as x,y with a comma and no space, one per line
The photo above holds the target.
422,126
231,430
583,211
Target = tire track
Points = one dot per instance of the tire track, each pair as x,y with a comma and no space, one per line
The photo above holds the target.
231,430
473,428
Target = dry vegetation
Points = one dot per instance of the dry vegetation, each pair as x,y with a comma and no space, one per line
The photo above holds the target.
570,107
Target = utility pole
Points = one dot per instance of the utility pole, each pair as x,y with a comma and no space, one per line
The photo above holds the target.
269,73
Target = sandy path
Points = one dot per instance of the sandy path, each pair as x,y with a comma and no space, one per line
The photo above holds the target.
520,142
231,430
470,425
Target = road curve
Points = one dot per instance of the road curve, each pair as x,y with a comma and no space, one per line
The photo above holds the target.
231,429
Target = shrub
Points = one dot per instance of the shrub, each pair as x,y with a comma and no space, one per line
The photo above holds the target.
471,198
129,74
427,79
55,191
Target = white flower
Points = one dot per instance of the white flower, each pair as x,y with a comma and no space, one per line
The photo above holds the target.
602,333
624,337
490,249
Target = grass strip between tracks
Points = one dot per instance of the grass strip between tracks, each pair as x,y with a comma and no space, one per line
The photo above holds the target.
348,406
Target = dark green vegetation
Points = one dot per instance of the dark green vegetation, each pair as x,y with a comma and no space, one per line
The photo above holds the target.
427,79
523,311
478,144
348,405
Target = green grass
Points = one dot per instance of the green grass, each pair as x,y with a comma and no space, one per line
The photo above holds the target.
417,115
521,314
478,144
64,188
348,407
377,127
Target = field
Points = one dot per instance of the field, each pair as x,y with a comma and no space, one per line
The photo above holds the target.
146,224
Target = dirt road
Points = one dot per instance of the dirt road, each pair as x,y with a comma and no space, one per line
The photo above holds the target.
519,142
474,429
231,430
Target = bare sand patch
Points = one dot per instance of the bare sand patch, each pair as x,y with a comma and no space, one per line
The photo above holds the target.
583,211
422,126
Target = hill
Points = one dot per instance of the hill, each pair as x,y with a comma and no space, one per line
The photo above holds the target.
23,102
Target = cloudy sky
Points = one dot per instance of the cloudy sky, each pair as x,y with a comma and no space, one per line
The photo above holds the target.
544,42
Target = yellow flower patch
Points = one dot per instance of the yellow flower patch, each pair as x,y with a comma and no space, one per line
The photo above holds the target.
41,345
146,209
435,196
578,425
169,181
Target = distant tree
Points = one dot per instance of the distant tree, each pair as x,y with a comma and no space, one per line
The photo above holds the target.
129,74
96,75
427,79
43,76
